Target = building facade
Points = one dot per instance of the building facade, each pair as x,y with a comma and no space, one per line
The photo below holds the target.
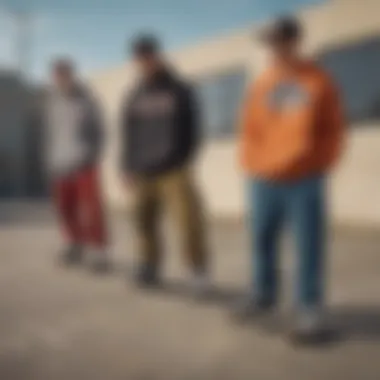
21,167
221,68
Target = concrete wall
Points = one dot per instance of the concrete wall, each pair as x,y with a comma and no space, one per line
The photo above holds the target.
355,184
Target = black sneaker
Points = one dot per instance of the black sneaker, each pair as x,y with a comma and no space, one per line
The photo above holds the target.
147,276
72,256
249,308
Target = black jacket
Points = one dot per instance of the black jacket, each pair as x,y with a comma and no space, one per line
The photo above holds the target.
159,126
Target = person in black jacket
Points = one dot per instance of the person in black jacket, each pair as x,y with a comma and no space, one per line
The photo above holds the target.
160,136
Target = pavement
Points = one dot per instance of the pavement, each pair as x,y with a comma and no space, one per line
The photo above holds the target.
58,324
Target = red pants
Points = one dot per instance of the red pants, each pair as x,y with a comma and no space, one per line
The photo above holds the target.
79,204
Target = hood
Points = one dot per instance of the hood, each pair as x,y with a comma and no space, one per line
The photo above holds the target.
78,91
164,76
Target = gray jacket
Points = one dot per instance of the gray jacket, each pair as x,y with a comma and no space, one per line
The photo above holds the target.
73,132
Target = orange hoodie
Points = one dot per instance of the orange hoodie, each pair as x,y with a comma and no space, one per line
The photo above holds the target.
292,124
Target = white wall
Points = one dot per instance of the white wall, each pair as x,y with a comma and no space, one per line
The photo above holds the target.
355,195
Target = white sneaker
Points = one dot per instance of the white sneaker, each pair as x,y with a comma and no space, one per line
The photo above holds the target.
309,320
100,260
311,329
200,284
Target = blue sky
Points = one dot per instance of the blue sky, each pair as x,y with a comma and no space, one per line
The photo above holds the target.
95,31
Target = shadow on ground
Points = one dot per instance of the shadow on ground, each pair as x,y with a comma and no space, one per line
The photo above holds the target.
357,322
351,322
217,295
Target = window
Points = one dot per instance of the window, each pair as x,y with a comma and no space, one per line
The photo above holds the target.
356,69
220,97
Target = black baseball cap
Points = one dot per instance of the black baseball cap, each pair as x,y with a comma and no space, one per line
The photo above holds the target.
146,44
284,29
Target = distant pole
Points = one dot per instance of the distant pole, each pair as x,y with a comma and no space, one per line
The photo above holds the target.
22,38
22,41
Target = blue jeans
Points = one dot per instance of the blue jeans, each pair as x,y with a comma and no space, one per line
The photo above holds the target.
301,204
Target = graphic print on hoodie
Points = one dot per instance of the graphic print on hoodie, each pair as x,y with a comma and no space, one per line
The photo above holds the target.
159,126
155,112
288,95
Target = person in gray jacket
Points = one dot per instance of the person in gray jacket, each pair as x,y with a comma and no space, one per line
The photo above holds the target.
73,141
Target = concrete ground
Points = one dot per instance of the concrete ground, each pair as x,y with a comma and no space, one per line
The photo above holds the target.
60,324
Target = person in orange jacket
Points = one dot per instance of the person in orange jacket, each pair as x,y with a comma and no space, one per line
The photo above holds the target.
292,134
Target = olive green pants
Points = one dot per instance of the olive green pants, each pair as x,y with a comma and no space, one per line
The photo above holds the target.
175,193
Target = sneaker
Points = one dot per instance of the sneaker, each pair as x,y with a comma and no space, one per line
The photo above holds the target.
200,285
72,256
249,308
147,276
310,329
100,261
